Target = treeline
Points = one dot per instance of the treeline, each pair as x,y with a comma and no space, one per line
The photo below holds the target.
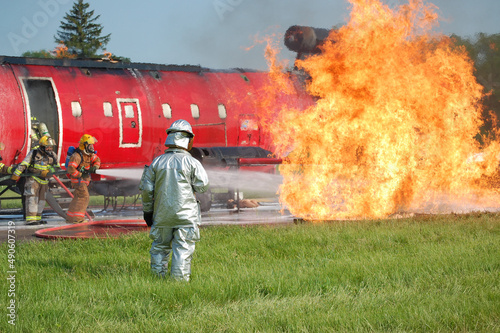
484,51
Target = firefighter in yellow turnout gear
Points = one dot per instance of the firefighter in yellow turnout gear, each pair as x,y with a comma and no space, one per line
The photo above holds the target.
3,167
81,164
40,162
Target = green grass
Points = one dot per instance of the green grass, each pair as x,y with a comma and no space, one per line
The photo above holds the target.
10,203
424,274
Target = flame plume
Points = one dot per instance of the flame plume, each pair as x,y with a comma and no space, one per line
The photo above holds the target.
394,125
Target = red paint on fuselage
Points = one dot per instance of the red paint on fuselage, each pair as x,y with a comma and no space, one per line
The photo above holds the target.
128,108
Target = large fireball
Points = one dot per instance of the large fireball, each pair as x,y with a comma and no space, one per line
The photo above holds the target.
395,124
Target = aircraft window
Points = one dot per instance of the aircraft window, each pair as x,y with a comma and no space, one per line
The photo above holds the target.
76,109
195,111
167,110
108,109
222,111
129,111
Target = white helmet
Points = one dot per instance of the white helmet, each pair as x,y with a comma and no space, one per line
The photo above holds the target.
180,133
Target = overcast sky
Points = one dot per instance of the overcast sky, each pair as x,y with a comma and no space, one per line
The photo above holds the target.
211,33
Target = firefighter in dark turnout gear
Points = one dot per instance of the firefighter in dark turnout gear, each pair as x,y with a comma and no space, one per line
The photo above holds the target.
81,164
40,162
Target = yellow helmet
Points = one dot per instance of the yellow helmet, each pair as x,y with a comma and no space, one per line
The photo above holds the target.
47,144
46,141
85,141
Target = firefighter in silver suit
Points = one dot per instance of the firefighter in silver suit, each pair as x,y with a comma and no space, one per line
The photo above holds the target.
39,162
170,207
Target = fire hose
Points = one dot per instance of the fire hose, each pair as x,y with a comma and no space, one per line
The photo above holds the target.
53,175
59,172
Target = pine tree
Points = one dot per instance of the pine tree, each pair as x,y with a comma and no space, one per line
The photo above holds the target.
80,33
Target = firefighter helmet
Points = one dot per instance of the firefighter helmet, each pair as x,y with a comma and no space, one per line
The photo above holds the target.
87,142
180,134
46,143
180,125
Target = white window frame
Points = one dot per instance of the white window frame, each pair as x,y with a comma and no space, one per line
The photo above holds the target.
108,109
76,109
195,111
167,110
222,111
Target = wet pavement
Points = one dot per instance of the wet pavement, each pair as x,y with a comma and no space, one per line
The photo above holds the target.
268,212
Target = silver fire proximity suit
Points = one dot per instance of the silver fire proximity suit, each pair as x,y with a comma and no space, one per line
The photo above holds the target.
168,186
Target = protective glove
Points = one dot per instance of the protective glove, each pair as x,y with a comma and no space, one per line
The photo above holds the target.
15,178
148,217
44,173
93,169
84,171
55,169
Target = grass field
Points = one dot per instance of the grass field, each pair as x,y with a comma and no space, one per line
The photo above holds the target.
423,274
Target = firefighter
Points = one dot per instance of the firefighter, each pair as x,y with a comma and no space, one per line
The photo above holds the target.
169,203
39,162
3,167
8,170
82,163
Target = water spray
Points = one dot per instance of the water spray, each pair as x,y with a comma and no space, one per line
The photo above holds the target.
241,179
121,173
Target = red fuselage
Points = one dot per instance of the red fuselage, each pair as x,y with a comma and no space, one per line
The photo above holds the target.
128,107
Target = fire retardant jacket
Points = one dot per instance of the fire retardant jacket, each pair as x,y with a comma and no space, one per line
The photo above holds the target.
168,186
36,161
81,160
5,169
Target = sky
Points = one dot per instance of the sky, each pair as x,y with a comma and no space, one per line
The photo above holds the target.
218,34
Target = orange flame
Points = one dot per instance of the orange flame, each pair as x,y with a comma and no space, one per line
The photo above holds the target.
61,51
108,56
394,125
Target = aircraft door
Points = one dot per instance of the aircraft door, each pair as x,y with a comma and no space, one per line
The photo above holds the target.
130,122
43,109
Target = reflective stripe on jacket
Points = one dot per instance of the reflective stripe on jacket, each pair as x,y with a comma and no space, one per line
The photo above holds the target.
5,169
76,163
36,162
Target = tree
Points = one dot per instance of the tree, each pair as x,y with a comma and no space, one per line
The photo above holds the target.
61,51
80,32
38,54
484,50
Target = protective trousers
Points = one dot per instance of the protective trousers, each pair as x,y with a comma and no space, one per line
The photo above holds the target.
78,206
35,200
179,241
